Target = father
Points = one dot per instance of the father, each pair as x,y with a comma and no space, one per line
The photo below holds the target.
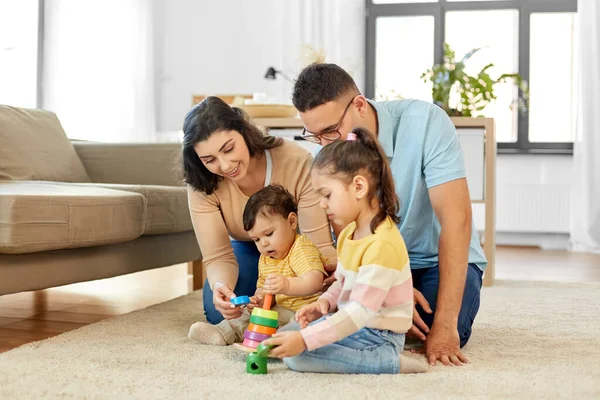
427,163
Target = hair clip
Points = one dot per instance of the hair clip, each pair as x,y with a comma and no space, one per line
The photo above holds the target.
351,136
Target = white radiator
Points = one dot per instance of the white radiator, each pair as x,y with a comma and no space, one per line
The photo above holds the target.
533,195
533,208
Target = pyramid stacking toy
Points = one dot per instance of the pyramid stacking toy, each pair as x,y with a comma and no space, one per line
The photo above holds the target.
263,324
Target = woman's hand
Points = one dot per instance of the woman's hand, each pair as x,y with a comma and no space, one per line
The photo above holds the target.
312,312
222,295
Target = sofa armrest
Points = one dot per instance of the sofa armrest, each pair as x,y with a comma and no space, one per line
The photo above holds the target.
131,163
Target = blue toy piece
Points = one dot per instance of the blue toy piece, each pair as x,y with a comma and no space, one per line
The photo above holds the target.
241,300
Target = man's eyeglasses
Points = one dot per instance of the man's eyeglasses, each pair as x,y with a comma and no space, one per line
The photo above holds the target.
329,134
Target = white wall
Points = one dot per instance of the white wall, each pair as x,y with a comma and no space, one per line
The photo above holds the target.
226,46
210,47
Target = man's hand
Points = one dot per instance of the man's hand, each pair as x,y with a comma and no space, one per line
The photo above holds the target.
276,284
452,205
289,344
312,312
419,327
443,344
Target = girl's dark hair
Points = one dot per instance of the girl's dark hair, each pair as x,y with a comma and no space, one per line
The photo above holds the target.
347,158
209,116
270,200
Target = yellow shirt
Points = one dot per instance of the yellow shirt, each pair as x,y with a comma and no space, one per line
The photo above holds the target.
303,257
373,287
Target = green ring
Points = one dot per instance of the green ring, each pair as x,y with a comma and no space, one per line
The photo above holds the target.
271,323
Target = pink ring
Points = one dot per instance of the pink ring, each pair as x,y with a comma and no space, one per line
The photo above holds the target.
257,337
250,343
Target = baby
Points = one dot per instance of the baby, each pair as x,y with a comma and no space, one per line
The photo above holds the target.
290,265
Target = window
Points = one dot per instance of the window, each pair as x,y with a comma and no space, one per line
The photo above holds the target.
19,22
536,38
552,78
394,75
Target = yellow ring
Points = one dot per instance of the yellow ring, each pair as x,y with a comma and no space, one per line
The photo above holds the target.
259,312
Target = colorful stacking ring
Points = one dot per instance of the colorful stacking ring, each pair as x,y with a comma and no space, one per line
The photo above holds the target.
273,323
265,330
258,337
250,343
259,312
241,300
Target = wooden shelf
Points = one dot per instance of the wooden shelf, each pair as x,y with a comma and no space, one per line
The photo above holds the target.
489,198
269,123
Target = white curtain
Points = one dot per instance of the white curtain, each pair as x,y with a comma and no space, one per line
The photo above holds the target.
585,220
98,68
333,29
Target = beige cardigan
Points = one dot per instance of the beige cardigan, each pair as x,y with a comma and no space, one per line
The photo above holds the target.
218,216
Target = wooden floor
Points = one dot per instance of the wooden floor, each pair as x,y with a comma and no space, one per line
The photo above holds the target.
30,316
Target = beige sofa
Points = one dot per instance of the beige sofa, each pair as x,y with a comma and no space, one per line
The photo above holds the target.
79,211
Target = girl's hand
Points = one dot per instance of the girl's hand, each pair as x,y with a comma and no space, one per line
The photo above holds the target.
222,295
276,284
312,312
289,344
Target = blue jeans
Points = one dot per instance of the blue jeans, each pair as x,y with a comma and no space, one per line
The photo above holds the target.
247,256
427,281
368,351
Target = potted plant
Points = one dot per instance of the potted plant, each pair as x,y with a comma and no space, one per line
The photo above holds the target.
475,92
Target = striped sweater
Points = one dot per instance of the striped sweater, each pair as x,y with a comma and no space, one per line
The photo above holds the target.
373,287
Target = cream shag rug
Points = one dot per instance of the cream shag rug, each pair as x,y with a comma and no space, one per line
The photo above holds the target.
530,340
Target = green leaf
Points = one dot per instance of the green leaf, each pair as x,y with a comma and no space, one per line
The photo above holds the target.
474,92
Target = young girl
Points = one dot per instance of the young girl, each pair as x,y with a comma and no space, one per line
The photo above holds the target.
358,325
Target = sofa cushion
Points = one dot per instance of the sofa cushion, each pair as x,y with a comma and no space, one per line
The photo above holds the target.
34,146
38,216
167,207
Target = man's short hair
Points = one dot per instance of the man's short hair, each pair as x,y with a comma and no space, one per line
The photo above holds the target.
319,84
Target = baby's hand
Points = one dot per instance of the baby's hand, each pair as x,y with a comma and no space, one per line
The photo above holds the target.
255,301
276,284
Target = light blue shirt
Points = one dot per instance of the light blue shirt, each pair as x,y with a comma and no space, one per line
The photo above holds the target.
424,151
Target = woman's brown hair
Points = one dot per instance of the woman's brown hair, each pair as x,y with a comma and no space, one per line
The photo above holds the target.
213,115
348,158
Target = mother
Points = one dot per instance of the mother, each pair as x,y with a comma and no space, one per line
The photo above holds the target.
226,160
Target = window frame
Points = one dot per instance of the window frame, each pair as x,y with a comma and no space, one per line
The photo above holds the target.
438,11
